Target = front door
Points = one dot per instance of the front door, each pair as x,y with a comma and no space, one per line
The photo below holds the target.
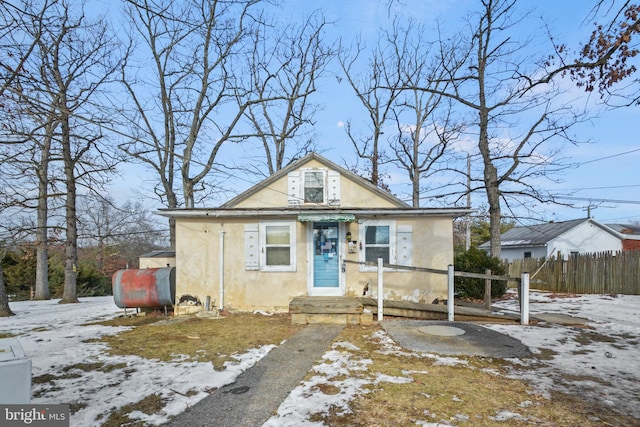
326,258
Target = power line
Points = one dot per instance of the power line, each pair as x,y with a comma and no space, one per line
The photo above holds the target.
601,188
590,199
608,157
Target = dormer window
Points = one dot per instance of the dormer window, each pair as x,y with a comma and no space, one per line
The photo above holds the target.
313,187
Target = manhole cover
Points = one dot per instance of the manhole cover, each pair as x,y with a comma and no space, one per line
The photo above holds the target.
441,330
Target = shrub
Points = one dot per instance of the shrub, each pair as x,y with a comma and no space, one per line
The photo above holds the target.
476,260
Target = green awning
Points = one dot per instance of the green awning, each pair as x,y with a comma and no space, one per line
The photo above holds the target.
326,217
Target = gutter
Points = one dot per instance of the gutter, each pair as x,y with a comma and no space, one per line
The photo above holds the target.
241,213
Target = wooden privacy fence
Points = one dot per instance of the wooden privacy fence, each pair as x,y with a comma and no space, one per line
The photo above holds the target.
597,273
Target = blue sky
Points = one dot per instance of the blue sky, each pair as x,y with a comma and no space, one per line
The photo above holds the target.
604,174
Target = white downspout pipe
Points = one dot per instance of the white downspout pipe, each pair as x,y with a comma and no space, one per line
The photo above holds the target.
221,305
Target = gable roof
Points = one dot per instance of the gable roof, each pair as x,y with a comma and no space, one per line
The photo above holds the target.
541,234
159,254
329,164
626,229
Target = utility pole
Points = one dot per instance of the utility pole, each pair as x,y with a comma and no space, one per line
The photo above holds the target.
468,234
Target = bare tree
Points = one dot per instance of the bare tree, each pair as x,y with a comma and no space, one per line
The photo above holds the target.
519,130
29,122
126,228
424,120
377,90
193,97
77,57
285,65
17,50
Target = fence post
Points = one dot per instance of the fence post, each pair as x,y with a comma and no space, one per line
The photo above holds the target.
487,290
450,295
380,290
524,299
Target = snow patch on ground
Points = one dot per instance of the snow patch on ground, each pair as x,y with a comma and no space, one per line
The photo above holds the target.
600,361
55,338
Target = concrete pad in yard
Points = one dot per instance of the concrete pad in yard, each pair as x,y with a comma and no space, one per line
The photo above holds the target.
453,339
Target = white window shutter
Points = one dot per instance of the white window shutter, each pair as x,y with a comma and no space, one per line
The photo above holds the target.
405,245
251,247
294,189
333,184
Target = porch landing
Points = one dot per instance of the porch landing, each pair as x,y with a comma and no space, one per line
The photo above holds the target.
362,310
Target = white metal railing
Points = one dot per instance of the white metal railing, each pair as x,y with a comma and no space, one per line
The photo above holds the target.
451,273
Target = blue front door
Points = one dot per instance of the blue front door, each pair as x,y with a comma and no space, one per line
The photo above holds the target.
326,256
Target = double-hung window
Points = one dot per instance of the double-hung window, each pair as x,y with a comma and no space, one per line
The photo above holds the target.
277,246
314,187
379,241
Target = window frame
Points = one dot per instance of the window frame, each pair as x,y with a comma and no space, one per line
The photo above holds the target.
362,255
263,226
323,172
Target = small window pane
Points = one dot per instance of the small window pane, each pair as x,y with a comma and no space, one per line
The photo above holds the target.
278,256
377,235
313,179
313,195
278,235
372,254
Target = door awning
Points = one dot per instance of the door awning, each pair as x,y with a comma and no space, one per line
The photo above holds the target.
326,217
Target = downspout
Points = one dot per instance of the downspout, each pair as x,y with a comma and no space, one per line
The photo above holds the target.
221,270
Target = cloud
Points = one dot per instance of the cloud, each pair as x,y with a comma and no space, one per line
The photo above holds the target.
340,124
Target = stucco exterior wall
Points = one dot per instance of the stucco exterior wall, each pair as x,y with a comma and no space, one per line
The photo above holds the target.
198,255
432,247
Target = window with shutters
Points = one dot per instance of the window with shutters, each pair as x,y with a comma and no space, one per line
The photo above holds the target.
313,187
378,240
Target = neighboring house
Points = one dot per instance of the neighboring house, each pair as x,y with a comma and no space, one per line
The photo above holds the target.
157,259
302,232
584,235
630,234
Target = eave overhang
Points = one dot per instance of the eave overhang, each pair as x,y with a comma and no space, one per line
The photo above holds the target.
302,213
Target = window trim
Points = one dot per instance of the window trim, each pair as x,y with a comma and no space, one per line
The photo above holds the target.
263,246
304,187
392,243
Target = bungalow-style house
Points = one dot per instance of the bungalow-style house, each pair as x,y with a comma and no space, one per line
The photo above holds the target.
577,236
308,231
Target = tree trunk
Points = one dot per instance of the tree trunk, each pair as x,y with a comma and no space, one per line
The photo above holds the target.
491,186
172,203
5,311
42,241
71,243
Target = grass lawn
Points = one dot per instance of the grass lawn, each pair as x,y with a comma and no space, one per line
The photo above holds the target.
472,391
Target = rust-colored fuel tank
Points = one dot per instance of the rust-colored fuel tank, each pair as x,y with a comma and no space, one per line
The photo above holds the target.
147,287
